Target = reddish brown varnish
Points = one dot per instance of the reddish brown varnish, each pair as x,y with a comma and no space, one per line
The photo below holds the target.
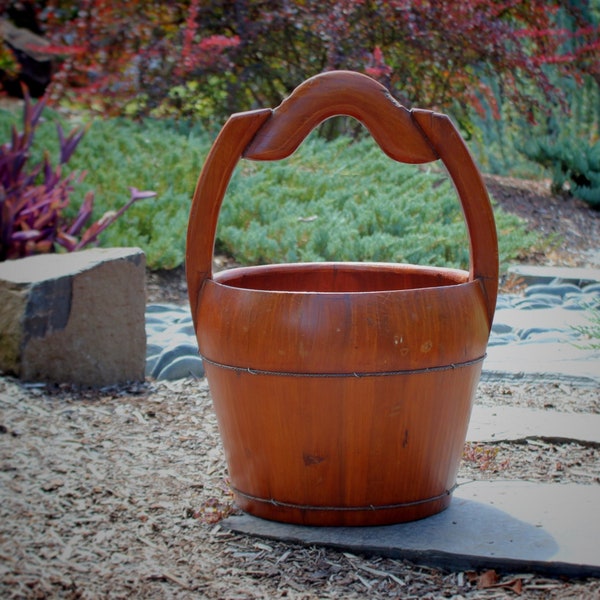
343,391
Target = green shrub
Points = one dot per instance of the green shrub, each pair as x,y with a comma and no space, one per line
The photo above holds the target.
572,162
347,201
568,146
330,201
494,139
564,145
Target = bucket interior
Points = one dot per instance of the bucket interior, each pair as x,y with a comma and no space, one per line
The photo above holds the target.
340,277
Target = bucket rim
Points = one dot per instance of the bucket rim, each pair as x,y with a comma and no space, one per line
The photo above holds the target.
453,277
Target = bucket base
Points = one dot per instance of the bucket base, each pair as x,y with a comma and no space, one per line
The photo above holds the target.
341,516
343,451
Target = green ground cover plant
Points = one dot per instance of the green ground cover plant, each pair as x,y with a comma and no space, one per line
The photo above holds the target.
332,200
344,200
157,155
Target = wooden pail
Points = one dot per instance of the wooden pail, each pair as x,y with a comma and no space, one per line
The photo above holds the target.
343,391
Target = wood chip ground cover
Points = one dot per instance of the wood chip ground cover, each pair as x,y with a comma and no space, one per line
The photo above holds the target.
118,494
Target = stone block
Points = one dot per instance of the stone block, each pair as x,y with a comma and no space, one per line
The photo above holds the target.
74,318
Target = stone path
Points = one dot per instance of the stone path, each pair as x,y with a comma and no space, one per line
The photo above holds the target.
511,423
520,526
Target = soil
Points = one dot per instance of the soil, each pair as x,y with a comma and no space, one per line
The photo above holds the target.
570,227
121,492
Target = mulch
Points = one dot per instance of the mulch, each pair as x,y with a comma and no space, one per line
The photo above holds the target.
120,492
569,227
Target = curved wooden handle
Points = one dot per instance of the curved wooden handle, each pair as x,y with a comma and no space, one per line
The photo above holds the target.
208,196
341,93
474,200
414,136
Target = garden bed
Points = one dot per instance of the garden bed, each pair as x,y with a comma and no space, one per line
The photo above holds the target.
120,492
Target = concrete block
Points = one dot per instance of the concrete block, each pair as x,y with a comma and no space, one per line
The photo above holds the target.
74,318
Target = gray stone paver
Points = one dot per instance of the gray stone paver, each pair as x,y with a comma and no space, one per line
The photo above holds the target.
511,423
533,274
513,525
549,361
505,525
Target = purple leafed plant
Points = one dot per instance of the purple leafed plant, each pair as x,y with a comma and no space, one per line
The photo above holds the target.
33,198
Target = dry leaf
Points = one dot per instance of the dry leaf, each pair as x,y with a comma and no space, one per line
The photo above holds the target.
487,579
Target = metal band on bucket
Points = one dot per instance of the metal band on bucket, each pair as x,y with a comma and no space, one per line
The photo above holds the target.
370,507
250,371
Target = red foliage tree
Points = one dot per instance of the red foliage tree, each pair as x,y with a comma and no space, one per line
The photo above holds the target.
119,51
431,53
436,54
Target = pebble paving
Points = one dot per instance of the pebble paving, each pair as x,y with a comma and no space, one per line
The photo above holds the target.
546,313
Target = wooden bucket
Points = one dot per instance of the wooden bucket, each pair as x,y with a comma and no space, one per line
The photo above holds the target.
343,391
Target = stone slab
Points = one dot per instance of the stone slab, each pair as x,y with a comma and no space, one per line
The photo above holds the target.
74,318
555,318
551,529
508,423
546,361
533,274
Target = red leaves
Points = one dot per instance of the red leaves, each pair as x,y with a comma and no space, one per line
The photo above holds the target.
484,457
216,508
213,510
377,67
206,53
218,43
191,27
56,49
121,51
433,54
